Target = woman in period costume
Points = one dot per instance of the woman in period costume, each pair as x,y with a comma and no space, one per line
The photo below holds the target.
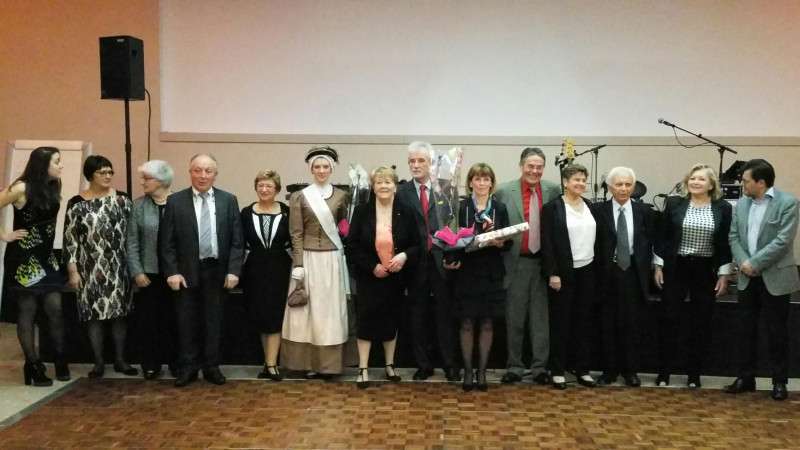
314,334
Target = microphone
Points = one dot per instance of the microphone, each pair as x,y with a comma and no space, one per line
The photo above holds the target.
599,147
558,160
665,122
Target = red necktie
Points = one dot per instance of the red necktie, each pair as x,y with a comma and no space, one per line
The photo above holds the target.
423,199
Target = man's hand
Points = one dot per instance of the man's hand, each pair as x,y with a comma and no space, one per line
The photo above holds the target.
658,277
231,281
176,281
748,269
555,283
722,285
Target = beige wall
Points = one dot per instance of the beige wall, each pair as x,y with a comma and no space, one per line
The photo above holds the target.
50,75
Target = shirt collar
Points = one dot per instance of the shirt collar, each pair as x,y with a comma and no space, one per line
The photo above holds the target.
625,205
196,193
427,185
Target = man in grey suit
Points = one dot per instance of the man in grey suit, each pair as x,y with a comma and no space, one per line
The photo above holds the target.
762,242
526,297
202,252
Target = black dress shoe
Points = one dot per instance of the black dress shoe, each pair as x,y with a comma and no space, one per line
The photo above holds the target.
185,378
632,380
214,376
741,385
693,382
543,379
510,377
483,387
662,380
606,380
422,374
452,374
151,374
587,383
560,385
468,387
97,373
129,371
779,392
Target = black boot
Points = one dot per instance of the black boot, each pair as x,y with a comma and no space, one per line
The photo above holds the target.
34,374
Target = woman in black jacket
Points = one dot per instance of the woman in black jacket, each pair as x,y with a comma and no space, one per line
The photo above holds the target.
568,235
382,240
692,255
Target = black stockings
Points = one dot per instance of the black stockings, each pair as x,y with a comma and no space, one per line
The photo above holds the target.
26,323
467,334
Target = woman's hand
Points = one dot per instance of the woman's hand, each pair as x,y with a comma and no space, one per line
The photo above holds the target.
74,280
380,272
658,277
397,262
555,283
722,285
455,266
142,280
13,235
496,242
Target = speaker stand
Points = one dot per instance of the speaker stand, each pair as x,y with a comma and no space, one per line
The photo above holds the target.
128,147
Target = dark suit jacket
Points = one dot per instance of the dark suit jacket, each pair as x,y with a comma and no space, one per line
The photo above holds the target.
361,238
605,244
556,247
407,194
670,231
180,251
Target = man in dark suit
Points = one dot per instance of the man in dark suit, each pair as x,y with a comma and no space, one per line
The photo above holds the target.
762,241
623,255
428,275
202,252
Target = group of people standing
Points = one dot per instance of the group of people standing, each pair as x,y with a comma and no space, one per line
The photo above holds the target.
186,250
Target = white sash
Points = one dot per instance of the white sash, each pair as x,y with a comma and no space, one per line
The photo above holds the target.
325,216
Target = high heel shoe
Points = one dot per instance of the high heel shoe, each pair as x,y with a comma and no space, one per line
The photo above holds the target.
129,371
33,373
362,384
267,374
62,369
393,378
481,375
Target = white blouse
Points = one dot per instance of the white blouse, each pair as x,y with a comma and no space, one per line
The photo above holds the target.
581,227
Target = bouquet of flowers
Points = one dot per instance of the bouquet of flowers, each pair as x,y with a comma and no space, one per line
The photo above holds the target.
445,176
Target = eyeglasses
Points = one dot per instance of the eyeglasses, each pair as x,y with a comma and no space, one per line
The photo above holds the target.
104,173
265,187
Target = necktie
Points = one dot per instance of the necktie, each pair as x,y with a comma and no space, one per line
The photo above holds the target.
623,249
206,250
534,235
423,199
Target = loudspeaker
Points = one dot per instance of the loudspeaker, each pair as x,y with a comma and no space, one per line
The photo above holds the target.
121,68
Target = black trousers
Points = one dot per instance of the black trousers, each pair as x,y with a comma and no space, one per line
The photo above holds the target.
156,324
432,315
570,312
697,277
753,300
620,322
199,310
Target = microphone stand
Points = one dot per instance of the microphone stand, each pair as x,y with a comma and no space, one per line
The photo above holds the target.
720,148
594,151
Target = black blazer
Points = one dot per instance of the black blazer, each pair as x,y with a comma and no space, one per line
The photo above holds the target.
180,252
407,194
670,231
556,248
360,242
605,244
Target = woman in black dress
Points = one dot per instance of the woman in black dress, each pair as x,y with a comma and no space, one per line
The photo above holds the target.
382,239
267,269
36,196
95,235
478,288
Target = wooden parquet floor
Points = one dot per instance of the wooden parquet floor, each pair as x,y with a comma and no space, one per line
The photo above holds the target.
316,414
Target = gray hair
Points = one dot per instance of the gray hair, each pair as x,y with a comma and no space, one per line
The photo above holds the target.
207,155
159,170
421,147
616,171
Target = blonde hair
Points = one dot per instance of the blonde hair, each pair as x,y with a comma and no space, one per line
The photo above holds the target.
384,172
715,193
